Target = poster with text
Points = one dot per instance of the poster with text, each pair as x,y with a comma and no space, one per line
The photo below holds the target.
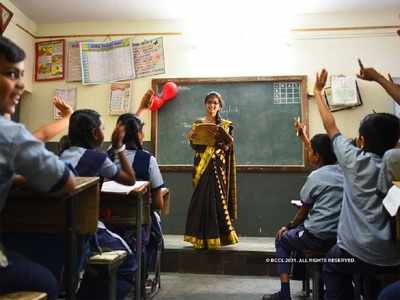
149,57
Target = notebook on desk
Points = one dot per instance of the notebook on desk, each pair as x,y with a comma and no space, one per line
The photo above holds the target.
117,188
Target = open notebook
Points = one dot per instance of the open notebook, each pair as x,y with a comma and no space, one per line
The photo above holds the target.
114,187
343,93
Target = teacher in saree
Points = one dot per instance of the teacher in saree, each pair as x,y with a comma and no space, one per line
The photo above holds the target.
213,206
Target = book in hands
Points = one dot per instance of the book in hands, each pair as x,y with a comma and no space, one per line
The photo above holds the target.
208,134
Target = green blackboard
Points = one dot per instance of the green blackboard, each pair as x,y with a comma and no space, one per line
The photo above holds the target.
262,110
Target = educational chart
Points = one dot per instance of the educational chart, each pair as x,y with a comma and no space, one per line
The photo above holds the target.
106,61
149,57
120,98
73,61
69,96
49,60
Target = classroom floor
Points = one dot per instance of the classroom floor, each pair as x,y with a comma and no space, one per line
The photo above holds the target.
180,286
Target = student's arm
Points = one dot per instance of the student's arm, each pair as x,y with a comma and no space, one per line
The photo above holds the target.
125,175
371,74
40,168
145,103
48,131
157,199
327,117
299,218
157,183
301,133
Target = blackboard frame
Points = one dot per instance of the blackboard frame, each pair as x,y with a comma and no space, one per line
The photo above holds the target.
302,79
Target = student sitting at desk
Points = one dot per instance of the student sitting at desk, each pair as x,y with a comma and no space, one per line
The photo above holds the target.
21,153
146,168
321,196
85,135
364,242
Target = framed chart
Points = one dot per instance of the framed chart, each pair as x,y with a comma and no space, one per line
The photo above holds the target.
50,60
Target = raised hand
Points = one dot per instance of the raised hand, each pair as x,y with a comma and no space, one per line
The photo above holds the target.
300,128
320,81
64,108
117,136
369,74
147,99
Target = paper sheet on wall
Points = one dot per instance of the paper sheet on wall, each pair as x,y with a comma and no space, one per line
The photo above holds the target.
106,61
120,98
73,65
344,90
149,57
69,96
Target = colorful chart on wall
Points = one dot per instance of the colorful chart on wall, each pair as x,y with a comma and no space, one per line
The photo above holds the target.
106,61
149,57
50,60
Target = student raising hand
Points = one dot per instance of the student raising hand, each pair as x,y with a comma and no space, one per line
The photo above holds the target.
126,174
145,103
320,81
48,131
64,108
327,118
301,132
371,74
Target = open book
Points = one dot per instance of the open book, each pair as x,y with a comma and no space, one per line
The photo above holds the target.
114,187
207,133
343,93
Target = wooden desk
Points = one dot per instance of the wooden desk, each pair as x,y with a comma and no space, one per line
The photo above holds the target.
129,208
74,213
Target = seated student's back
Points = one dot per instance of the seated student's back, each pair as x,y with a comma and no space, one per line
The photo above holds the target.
390,171
363,230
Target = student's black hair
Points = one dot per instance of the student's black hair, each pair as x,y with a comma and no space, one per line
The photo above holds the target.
133,125
322,145
81,126
10,51
217,95
381,131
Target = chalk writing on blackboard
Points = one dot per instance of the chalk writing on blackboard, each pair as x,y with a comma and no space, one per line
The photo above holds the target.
286,93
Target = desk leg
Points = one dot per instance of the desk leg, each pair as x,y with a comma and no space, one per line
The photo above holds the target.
70,256
139,216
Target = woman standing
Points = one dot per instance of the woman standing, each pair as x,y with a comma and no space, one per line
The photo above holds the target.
213,206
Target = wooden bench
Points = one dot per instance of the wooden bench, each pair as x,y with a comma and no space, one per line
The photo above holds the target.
101,274
24,296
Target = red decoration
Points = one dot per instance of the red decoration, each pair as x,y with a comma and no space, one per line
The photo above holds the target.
156,103
169,92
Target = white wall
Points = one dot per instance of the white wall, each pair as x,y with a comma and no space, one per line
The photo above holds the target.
244,50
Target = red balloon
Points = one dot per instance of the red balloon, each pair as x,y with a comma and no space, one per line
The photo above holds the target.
169,91
156,103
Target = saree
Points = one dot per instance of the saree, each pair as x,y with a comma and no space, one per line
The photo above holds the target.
213,206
